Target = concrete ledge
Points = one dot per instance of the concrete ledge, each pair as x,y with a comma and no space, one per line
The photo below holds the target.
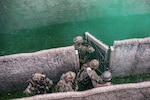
132,41
133,91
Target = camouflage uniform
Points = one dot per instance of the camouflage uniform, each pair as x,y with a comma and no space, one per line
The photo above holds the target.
88,74
38,84
83,48
67,82
82,75
98,81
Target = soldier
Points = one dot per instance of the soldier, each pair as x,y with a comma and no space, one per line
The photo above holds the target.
38,84
67,82
83,48
88,74
82,75
97,81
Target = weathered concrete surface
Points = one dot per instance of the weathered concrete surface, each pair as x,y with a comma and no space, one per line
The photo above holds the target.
16,69
134,91
130,57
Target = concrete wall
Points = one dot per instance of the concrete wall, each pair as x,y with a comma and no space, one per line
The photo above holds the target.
130,57
15,70
136,91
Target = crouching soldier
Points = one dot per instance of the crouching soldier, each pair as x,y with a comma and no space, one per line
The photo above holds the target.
67,82
83,48
38,84
99,81
82,75
87,74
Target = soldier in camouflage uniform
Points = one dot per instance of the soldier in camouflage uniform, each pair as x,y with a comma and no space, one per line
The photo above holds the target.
83,48
88,74
82,75
39,84
99,81
67,82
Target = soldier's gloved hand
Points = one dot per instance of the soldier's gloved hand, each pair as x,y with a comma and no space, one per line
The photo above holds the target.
108,83
91,49
89,70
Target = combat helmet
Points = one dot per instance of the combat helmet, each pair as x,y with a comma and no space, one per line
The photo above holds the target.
94,64
106,76
78,39
38,76
70,76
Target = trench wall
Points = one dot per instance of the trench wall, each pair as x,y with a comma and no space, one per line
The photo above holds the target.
127,57
16,69
134,91
130,57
